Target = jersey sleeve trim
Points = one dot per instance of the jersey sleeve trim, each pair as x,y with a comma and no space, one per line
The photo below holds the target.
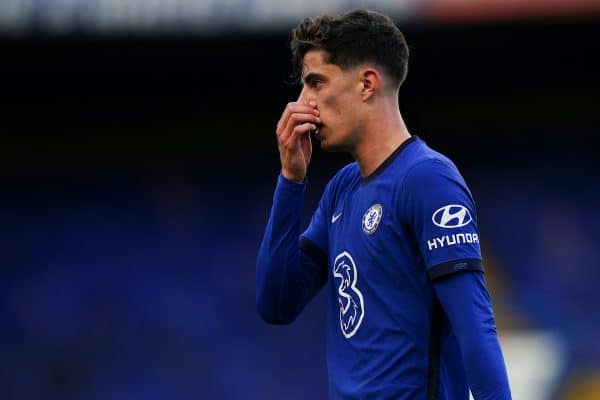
313,251
454,266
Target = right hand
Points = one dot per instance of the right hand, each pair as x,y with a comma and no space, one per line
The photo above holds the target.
293,138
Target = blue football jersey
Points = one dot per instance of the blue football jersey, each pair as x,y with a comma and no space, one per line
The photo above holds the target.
385,238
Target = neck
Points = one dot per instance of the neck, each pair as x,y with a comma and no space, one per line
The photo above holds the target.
383,133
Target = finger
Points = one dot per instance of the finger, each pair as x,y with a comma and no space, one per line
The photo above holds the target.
293,108
302,129
296,133
306,146
293,141
297,119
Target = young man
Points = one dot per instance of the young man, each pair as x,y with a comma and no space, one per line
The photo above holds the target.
394,237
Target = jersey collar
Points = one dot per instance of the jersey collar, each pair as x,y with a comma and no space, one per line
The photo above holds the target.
388,161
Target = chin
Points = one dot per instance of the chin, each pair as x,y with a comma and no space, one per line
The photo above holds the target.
331,146
328,143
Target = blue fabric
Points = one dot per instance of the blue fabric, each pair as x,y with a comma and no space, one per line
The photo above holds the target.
467,304
380,242
286,277
440,211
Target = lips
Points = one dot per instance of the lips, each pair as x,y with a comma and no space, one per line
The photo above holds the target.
316,131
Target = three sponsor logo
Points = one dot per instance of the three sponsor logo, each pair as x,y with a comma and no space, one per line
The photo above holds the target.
350,299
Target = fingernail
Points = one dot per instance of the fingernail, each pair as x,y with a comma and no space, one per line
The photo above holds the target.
318,119
312,103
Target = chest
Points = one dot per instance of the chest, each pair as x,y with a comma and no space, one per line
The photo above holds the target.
365,221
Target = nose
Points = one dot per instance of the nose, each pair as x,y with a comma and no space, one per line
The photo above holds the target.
306,96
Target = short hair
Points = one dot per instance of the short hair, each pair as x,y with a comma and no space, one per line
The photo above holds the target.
351,39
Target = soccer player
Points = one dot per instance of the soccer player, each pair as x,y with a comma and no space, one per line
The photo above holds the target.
394,238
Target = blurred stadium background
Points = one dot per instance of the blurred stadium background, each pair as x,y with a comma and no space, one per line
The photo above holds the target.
138,160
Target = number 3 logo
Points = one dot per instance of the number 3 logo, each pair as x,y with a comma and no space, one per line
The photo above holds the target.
352,306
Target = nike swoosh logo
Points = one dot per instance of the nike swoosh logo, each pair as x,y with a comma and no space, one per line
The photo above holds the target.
335,217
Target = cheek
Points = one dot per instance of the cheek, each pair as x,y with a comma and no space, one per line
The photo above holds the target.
331,108
326,102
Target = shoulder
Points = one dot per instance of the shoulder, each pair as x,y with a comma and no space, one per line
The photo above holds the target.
415,160
347,173
432,180
427,167
345,177
340,182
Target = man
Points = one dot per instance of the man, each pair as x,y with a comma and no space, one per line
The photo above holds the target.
394,237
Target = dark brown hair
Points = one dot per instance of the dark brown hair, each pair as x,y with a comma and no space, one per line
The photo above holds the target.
351,39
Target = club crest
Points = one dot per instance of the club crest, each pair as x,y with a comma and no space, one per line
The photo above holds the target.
371,218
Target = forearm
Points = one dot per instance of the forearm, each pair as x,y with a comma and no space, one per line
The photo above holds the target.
285,278
466,302
484,365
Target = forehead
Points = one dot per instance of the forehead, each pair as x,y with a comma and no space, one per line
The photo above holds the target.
314,62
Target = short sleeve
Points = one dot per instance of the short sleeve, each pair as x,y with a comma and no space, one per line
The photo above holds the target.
440,214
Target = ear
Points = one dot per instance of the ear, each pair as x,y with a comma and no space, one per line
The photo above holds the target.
371,82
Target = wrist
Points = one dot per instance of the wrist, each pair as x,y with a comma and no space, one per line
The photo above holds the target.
289,184
293,178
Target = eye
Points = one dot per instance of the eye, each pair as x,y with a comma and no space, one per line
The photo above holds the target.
315,83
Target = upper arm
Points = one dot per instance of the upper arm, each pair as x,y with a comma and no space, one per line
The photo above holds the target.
440,213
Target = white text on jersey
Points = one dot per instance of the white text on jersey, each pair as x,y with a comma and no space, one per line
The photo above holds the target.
449,240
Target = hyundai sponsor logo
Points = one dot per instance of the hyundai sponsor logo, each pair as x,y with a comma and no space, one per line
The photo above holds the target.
452,216
450,240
